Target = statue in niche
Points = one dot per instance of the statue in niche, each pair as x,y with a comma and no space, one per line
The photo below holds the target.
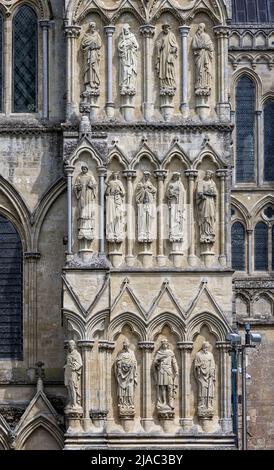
115,209
166,376
205,374
145,198
167,49
85,190
126,376
206,202
175,197
73,372
127,49
91,46
203,50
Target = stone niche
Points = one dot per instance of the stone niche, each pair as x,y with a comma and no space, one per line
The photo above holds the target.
210,424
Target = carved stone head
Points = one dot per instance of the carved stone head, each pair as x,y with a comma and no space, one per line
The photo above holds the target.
126,29
209,174
126,344
164,344
201,28
205,346
166,28
84,168
176,176
92,26
71,345
146,175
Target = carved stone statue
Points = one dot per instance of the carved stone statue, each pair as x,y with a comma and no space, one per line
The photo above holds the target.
115,209
85,190
91,46
167,49
127,49
73,372
206,201
165,375
145,198
126,376
175,197
205,369
203,50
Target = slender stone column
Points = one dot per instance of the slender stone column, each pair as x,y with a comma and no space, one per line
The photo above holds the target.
184,30
69,173
185,350
260,175
161,176
147,421
109,347
45,69
30,273
109,30
192,175
130,175
249,251
86,350
223,108
102,174
225,386
222,174
7,68
148,32
71,33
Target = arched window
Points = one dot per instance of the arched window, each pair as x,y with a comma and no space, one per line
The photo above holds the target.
245,128
1,63
261,247
253,11
25,36
11,289
238,246
269,140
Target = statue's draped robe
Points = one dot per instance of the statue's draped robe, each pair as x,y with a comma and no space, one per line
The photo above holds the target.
203,55
175,196
127,47
91,45
126,375
85,190
115,210
205,374
166,54
145,198
72,381
207,193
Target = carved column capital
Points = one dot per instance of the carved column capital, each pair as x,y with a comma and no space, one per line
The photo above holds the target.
45,24
85,343
221,31
160,174
222,173
109,30
102,171
249,231
69,170
185,345
146,345
223,346
72,31
105,345
130,174
32,255
184,30
191,174
147,30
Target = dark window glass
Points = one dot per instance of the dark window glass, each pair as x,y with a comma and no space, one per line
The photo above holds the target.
262,11
245,126
238,246
261,247
239,11
273,248
271,10
25,61
269,141
11,329
251,11
1,62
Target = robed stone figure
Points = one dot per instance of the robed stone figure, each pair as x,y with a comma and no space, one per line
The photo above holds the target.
73,372
146,203
166,376
175,198
205,370
91,46
126,376
166,50
85,191
115,209
127,50
203,49
206,202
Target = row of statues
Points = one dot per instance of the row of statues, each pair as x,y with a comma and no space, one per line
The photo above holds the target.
165,373
145,197
166,57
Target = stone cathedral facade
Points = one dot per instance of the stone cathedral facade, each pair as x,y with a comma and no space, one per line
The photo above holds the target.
136,221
